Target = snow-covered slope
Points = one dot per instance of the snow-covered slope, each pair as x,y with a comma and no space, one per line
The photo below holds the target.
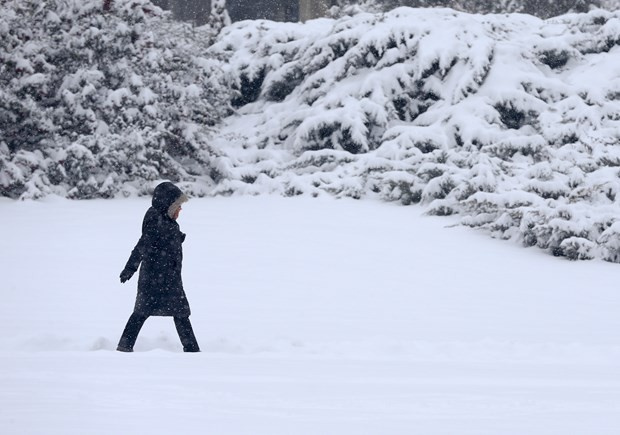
508,120
305,326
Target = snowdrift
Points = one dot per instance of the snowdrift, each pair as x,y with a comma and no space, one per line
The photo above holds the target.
508,120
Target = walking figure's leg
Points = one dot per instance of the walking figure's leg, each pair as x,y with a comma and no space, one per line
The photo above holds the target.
186,334
130,334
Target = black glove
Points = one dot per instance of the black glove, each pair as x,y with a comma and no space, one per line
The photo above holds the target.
126,275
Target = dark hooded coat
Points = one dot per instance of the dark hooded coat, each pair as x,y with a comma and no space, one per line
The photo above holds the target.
159,253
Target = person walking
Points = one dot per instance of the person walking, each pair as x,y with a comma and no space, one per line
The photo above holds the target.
159,254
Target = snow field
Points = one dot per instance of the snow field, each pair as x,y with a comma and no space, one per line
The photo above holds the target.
314,316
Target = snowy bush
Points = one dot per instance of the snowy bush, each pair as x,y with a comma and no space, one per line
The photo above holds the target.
510,121
94,103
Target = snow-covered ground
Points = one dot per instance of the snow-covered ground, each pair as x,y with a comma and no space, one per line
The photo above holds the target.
315,316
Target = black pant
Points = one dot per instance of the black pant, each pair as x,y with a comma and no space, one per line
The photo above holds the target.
134,325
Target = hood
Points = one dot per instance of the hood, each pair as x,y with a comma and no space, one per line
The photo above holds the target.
164,195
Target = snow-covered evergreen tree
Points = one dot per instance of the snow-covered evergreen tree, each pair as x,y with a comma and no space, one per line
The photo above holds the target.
95,101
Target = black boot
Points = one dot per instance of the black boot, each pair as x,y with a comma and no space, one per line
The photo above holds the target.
130,334
186,334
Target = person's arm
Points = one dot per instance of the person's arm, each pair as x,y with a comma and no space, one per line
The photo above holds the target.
139,251
134,261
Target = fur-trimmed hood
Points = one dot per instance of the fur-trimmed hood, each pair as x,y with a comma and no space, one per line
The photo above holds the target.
167,198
